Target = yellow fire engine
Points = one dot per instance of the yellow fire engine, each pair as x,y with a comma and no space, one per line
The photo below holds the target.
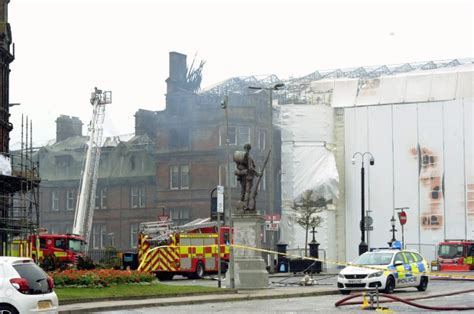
190,250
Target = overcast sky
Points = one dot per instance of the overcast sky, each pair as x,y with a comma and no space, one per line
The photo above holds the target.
64,48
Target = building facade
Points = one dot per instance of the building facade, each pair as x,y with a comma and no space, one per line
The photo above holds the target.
126,187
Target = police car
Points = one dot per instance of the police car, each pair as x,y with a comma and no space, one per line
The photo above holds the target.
386,270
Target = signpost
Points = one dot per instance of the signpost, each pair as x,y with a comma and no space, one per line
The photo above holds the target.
402,217
220,210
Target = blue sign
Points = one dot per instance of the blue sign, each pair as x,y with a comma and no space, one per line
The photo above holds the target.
397,245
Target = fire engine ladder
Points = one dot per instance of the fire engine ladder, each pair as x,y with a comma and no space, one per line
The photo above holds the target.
86,195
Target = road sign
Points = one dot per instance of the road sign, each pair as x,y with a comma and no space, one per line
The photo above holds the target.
220,199
368,221
402,216
273,226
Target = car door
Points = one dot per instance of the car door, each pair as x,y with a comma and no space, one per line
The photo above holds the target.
412,275
400,269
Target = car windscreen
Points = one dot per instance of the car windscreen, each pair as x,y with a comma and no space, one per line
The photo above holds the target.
76,245
450,251
372,258
36,277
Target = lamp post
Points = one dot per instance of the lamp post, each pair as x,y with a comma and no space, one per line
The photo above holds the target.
392,222
271,165
225,105
363,247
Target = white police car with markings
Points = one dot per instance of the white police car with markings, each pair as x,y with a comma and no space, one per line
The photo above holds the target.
386,270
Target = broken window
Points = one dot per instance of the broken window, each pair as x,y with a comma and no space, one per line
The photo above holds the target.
178,138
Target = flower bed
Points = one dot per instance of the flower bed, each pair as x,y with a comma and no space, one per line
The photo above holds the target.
99,277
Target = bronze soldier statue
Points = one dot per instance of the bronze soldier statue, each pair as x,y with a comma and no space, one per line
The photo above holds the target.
245,173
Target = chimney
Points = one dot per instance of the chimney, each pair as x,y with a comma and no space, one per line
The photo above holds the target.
177,76
67,127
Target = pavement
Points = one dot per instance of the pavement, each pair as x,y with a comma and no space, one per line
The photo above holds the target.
232,295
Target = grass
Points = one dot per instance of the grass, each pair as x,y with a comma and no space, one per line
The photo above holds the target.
130,291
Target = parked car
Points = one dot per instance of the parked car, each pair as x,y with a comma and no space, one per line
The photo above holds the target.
25,287
386,270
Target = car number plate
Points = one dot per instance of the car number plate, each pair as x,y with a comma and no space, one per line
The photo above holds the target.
43,305
354,281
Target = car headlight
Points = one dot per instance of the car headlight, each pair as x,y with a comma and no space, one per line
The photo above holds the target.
341,276
377,274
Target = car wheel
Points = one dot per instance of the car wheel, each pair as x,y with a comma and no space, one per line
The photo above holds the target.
345,292
199,270
8,309
389,285
423,284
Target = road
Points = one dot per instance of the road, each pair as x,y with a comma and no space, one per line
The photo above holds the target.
323,303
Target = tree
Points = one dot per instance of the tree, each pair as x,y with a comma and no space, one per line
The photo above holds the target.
306,210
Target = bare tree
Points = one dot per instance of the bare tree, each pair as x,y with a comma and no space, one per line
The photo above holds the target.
307,208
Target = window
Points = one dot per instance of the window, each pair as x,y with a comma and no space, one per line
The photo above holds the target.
409,257
398,258
138,197
244,135
60,244
179,177
232,136
184,177
99,234
261,138
180,216
133,235
54,200
237,135
178,138
101,198
70,199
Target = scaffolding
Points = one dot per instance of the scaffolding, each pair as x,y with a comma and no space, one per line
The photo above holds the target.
19,195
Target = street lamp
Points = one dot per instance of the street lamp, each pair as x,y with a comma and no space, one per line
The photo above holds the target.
363,247
225,105
392,222
272,157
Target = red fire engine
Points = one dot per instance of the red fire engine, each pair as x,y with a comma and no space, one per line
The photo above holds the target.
455,255
66,248
190,250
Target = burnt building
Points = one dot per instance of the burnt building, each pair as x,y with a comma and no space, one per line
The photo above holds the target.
190,137
126,187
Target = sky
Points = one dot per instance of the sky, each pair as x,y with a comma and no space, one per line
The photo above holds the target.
64,48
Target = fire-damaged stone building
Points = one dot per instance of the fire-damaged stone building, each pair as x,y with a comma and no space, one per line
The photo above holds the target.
172,163
126,188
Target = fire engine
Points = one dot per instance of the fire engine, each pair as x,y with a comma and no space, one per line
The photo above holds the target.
190,250
66,248
455,255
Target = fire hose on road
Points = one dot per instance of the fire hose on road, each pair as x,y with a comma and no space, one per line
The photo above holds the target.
409,301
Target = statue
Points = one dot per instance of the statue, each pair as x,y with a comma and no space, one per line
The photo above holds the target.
245,172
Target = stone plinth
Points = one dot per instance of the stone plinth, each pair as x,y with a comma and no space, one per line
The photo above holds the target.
250,269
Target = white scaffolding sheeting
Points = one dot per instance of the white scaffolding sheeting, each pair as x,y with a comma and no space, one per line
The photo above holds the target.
307,164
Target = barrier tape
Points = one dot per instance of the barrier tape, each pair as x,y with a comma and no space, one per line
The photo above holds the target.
238,246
